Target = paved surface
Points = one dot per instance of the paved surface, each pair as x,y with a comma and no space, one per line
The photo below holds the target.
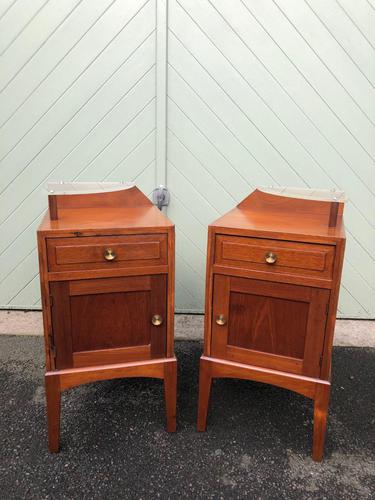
114,445
348,332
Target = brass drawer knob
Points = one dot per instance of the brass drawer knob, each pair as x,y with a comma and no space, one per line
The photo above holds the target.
270,258
220,320
109,254
156,320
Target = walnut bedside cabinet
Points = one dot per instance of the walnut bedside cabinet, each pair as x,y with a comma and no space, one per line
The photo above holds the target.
273,276
106,259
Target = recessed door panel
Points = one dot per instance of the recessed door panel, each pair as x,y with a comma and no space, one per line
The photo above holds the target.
267,324
109,320
274,325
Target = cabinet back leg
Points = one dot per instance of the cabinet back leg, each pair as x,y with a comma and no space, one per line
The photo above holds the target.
205,382
170,393
53,397
321,403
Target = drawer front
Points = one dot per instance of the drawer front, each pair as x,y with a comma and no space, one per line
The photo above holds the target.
106,252
284,257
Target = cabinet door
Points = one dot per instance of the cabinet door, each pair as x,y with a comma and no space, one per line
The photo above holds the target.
108,320
273,325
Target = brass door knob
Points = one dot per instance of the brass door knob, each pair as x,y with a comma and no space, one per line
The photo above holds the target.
221,320
156,320
270,258
109,254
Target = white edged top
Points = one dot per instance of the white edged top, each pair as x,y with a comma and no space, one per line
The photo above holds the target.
86,187
306,193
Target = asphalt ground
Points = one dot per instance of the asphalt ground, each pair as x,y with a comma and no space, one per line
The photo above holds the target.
113,442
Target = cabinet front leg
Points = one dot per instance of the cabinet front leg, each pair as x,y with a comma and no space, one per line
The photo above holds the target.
170,393
53,396
321,403
205,381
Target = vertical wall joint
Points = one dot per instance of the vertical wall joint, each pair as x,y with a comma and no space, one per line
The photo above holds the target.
161,91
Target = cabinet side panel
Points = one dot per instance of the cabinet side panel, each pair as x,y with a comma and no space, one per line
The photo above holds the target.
315,332
42,255
171,293
209,291
325,372
61,324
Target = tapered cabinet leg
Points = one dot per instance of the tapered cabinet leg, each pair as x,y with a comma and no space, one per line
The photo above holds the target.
53,396
170,393
321,403
205,382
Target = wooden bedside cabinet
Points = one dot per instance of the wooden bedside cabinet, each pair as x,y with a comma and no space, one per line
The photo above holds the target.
273,276
107,279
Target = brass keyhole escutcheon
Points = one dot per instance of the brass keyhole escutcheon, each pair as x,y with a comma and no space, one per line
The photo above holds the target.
221,320
156,320
109,254
271,257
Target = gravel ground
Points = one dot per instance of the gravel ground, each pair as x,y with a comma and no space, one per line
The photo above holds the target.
113,442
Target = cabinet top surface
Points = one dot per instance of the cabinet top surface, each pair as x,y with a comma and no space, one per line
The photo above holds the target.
110,209
106,218
287,212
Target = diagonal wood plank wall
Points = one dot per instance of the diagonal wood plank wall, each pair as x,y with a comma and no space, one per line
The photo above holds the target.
271,92
77,102
258,92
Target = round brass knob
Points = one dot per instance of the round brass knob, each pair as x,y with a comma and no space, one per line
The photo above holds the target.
109,254
271,257
220,320
156,320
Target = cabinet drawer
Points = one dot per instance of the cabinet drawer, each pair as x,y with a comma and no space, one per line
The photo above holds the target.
106,252
284,257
